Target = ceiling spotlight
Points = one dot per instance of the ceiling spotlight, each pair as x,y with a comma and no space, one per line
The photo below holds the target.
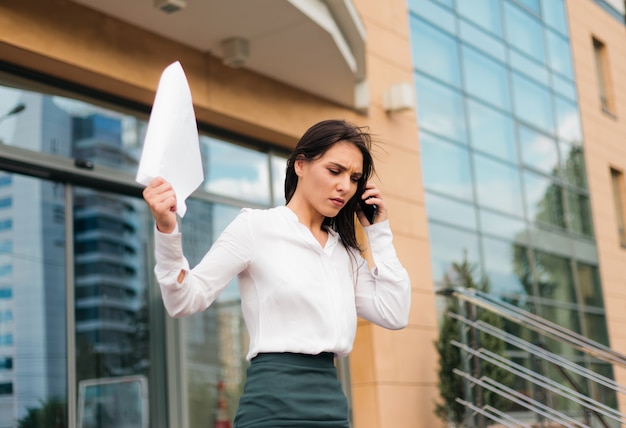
235,51
169,6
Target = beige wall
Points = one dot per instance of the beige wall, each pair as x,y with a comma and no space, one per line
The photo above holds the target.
393,372
605,147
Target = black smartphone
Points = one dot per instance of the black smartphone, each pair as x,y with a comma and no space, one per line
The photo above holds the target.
368,210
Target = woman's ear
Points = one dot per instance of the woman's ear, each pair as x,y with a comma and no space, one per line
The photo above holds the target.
298,165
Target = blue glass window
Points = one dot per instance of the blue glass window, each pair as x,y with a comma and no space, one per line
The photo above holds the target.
491,131
579,213
445,167
538,151
435,14
6,293
529,67
573,164
450,245
502,226
485,13
559,54
6,202
544,200
533,103
564,87
6,339
6,224
531,5
500,267
554,278
524,32
568,121
486,79
435,53
554,15
440,109
450,211
498,185
482,41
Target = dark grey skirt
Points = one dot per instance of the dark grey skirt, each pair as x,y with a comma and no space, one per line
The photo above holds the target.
292,390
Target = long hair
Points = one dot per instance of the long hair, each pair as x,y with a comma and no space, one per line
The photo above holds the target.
312,145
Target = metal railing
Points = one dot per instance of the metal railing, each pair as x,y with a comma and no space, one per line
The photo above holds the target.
579,408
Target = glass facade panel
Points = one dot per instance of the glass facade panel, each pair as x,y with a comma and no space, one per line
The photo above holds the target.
502,226
445,167
568,121
529,68
579,213
113,311
595,327
491,131
497,186
538,151
486,79
435,14
451,245
530,5
573,164
555,15
451,211
216,341
499,256
560,56
33,328
590,289
235,171
564,87
544,200
554,279
485,42
435,52
524,32
533,103
440,109
484,13
278,165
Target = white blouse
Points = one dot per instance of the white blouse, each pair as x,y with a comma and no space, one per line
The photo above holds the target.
296,296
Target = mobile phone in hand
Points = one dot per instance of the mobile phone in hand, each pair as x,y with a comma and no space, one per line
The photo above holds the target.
368,210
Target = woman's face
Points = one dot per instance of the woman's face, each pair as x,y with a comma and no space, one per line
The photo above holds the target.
329,182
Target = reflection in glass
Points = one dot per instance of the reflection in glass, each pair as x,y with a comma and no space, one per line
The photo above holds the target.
554,279
445,167
435,14
486,79
440,109
491,131
112,295
450,245
579,213
278,165
568,121
485,13
559,54
485,42
524,32
498,185
538,151
235,171
216,341
544,200
532,5
499,257
33,374
435,52
595,327
450,211
529,67
502,226
564,87
533,103
554,15
573,164
590,289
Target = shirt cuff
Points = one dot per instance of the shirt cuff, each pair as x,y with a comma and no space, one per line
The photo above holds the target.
381,241
169,255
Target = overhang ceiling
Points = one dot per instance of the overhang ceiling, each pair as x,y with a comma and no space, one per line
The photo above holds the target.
313,45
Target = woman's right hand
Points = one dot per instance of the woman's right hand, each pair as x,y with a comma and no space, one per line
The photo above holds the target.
161,199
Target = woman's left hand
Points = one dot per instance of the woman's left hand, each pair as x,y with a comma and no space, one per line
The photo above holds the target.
373,196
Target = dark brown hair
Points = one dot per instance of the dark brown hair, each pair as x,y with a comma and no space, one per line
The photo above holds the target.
313,144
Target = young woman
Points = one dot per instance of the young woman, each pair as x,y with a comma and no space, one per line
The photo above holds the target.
302,279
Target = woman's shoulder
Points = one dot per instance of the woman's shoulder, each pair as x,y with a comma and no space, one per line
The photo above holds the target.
255,215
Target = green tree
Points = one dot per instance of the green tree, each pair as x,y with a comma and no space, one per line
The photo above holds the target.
450,384
51,414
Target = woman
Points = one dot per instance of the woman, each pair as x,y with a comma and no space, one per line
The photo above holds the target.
302,279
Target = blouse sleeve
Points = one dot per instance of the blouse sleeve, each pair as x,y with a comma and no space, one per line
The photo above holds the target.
383,295
227,257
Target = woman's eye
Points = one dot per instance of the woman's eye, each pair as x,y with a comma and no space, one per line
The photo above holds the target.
333,171
355,179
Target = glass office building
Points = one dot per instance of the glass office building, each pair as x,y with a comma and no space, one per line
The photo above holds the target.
503,155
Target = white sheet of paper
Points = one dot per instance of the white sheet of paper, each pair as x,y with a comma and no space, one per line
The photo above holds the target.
171,149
